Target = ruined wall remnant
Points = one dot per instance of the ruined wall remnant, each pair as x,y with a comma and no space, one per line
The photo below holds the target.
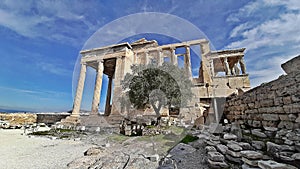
273,104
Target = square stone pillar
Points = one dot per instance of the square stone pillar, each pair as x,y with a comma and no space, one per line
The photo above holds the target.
118,76
160,57
97,90
79,91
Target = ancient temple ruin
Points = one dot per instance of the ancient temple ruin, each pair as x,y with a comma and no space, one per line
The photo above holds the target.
115,61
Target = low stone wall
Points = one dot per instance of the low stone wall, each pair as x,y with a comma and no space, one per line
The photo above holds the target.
273,104
16,119
51,118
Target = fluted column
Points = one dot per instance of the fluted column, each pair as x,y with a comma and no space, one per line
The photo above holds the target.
187,62
173,56
97,90
79,91
108,96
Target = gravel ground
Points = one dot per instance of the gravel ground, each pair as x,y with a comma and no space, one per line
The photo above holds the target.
20,152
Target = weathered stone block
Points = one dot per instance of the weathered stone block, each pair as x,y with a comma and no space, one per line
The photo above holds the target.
270,117
259,145
254,155
250,161
258,133
234,147
217,164
286,124
222,148
270,164
215,156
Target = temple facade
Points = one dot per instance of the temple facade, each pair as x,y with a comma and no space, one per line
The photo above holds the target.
221,73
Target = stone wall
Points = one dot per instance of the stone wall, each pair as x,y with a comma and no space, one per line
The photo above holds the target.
16,119
273,104
50,118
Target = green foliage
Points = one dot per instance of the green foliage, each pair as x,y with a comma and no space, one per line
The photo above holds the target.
189,138
165,85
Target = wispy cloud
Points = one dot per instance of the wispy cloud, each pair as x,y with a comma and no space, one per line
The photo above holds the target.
54,69
40,19
274,32
35,92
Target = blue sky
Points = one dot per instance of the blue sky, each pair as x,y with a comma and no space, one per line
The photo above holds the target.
40,40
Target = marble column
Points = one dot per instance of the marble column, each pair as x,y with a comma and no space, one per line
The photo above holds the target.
160,57
108,96
173,56
147,60
79,91
97,90
187,62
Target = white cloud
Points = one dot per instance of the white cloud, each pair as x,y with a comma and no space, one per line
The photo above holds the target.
53,20
270,40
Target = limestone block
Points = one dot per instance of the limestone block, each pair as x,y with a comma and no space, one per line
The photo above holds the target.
229,136
270,117
246,166
272,147
259,145
256,124
286,124
215,156
234,146
254,155
270,164
222,148
245,146
287,100
233,159
250,161
283,117
258,133
210,149
233,153
216,164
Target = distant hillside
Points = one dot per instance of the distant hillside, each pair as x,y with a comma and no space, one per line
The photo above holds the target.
13,111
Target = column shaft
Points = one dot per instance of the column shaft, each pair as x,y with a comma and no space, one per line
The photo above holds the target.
147,58
79,91
97,90
187,62
108,96
160,57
